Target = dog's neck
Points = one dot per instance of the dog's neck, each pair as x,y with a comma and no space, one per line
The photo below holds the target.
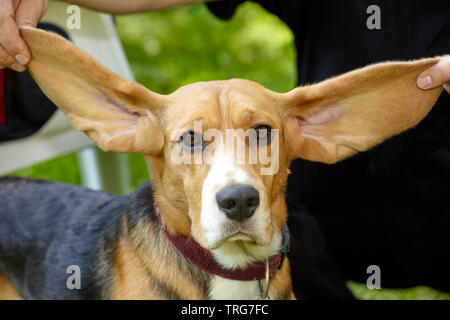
164,262
241,270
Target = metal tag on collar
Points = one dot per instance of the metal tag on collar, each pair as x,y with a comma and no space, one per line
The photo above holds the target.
264,284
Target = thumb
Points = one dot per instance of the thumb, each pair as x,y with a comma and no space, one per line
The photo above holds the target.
447,87
435,76
30,12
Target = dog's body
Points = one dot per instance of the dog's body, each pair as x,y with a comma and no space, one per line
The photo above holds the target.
102,234
235,211
71,226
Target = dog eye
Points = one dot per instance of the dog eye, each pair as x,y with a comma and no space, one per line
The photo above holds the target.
191,141
263,134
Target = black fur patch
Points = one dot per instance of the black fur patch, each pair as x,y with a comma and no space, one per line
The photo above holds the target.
46,227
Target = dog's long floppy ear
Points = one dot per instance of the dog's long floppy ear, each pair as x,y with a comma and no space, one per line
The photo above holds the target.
118,114
336,118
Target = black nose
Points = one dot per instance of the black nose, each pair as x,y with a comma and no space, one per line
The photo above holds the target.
238,202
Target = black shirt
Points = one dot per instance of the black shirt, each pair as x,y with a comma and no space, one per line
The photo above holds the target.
389,206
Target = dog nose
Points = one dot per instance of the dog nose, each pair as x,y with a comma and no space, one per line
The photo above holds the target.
238,202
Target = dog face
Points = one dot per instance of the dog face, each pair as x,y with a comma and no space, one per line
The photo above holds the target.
220,150
226,162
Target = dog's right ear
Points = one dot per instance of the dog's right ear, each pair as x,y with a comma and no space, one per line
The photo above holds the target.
338,117
118,114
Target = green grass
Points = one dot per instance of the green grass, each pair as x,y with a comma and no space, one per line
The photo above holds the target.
174,47
63,169
417,293
138,170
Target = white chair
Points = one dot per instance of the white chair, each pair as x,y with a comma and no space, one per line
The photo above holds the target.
108,171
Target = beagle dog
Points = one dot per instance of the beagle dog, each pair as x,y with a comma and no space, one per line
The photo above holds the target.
211,225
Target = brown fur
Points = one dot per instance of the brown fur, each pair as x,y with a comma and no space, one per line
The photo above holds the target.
7,290
163,273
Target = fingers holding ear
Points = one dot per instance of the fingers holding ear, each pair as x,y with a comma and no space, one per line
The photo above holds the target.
30,12
14,52
436,76
12,46
6,61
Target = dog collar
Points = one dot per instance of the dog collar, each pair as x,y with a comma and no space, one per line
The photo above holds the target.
204,259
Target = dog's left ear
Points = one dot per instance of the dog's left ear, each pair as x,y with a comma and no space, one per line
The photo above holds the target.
117,114
336,118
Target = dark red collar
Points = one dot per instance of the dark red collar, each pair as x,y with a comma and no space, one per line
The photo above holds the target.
204,259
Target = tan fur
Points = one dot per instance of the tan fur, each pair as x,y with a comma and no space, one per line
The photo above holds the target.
280,285
130,278
372,104
323,122
7,290
161,261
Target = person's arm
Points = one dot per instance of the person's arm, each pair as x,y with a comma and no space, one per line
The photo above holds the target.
129,6
14,52
436,76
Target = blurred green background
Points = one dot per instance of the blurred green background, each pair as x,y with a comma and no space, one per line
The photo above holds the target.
170,48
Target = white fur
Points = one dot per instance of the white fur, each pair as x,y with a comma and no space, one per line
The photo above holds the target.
234,254
238,254
233,250
212,218
226,289
215,224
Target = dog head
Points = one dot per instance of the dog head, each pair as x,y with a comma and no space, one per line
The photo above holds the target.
220,150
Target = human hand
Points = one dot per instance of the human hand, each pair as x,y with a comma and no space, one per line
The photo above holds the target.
14,52
436,76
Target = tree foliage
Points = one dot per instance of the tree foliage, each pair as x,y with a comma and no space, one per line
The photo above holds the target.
174,47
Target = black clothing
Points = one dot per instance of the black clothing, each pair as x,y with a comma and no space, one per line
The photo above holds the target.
389,206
